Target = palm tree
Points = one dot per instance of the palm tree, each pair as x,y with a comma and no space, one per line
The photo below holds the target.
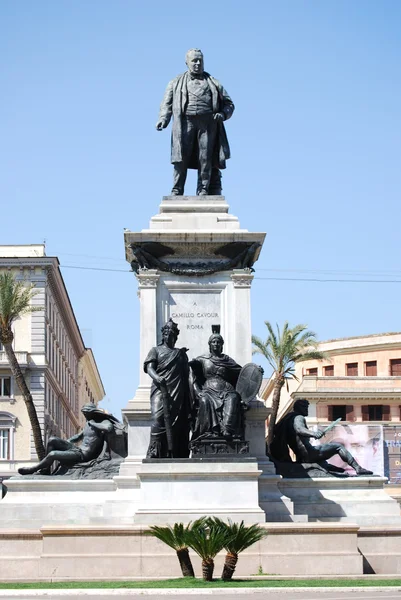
239,537
176,538
15,301
207,539
282,351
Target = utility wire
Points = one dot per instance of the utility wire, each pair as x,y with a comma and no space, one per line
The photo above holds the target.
343,272
257,278
96,269
330,280
379,273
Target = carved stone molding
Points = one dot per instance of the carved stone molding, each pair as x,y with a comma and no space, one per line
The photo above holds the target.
242,278
147,278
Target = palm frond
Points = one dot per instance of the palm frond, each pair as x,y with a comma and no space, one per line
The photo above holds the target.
272,335
311,355
15,299
283,349
174,536
239,537
307,338
207,539
262,348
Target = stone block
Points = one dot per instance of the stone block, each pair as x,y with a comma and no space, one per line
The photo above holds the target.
184,489
359,500
381,549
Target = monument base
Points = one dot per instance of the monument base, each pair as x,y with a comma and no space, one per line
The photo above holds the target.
90,553
186,489
97,529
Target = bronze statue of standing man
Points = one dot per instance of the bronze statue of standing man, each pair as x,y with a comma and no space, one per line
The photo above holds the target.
199,105
169,397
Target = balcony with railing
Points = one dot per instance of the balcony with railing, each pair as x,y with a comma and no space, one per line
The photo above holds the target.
22,358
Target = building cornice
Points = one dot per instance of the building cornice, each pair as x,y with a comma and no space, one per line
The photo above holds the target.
359,349
347,395
55,280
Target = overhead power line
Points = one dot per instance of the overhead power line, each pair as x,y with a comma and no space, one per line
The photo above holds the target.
340,272
307,279
330,280
96,269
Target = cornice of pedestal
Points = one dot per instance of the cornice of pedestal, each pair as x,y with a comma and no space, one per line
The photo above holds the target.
242,278
191,227
147,278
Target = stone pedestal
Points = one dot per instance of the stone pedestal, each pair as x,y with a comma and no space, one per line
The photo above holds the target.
196,285
185,489
360,500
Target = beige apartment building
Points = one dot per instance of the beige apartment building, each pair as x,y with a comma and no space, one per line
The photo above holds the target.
61,373
359,383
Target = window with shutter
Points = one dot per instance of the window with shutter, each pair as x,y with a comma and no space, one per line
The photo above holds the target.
339,411
312,371
365,413
351,369
375,412
322,411
386,412
395,367
328,371
371,368
350,416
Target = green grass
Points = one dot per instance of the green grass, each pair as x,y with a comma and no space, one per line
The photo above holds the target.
188,582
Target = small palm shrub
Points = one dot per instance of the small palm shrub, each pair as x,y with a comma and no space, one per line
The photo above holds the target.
207,539
207,536
176,537
238,537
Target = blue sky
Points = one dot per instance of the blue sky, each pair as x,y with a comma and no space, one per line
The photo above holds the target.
315,141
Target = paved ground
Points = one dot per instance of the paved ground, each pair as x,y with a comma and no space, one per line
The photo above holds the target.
235,594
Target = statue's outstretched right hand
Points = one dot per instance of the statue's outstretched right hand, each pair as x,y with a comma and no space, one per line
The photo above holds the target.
160,125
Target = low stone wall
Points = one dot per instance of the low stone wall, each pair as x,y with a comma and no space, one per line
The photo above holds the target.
381,549
112,553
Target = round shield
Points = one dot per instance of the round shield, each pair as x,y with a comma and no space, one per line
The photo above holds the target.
249,381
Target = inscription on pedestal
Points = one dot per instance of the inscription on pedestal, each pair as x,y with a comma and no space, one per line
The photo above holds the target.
195,314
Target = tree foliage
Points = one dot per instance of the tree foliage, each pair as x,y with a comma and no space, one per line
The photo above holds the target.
176,537
239,537
15,301
207,539
207,536
283,349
